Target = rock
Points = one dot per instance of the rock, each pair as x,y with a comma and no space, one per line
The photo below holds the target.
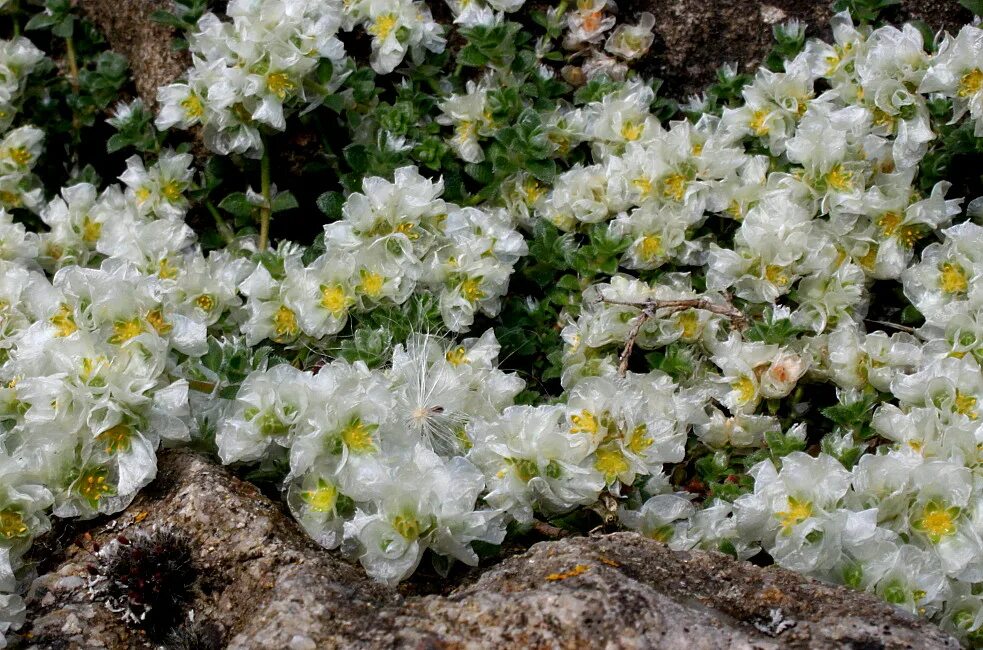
695,37
127,26
264,584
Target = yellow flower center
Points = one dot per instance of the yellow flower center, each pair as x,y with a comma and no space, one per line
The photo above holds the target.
889,222
471,290
971,83
868,259
776,275
285,322
407,526
532,190
631,131
279,84
798,511
64,321
372,283
124,330
192,106
11,524
171,191
91,230
357,436
746,390
674,187
165,270
643,185
204,302
611,463
639,440
156,319
408,229
456,356
759,123
689,322
142,194
937,521
20,155
584,422
383,25
116,439
966,405
335,299
839,179
952,278
323,498
92,485
650,247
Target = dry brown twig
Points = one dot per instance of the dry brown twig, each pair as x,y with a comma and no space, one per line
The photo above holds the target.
738,320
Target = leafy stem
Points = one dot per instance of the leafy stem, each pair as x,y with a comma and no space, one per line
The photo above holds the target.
266,210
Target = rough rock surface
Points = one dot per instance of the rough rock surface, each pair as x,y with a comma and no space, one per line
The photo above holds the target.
695,37
265,585
146,44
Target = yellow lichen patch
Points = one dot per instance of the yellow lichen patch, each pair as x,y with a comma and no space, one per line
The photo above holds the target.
970,83
952,278
140,516
798,511
580,569
285,323
608,561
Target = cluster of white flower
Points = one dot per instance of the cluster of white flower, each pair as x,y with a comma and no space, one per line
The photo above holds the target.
19,148
273,57
395,238
88,353
818,175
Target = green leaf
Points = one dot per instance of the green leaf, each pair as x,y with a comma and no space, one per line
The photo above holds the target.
238,205
283,201
976,6
331,203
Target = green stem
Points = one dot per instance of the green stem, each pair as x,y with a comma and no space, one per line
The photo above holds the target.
73,68
266,210
223,228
